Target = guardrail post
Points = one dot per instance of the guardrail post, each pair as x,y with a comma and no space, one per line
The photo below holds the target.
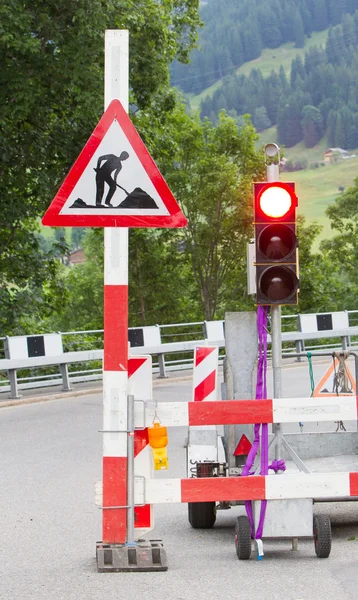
161,363
65,378
298,350
14,389
345,342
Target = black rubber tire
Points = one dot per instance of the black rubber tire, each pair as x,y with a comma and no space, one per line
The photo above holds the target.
322,535
202,515
243,538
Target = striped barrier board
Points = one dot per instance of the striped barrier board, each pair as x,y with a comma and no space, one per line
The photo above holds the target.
247,412
271,487
204,443
114,483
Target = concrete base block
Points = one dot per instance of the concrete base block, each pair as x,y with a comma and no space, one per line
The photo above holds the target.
143,556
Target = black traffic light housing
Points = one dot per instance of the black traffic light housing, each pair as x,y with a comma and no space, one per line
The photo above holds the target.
276,243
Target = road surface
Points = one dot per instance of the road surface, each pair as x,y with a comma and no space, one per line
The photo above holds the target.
50,460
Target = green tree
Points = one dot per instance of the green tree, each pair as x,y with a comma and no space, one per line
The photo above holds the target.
289,126
340,137
321,284
260,119
51,96
299,32
213,184
312,126
343,247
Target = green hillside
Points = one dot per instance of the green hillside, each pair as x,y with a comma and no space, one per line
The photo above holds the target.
317,188
270,60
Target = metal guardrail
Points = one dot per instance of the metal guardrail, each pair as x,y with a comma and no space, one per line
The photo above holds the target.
171,356
11,366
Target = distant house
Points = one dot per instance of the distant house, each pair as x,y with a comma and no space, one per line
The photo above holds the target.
333,154
76,257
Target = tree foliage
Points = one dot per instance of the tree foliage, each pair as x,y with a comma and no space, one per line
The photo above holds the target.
215,167
51,97
320,97
241,31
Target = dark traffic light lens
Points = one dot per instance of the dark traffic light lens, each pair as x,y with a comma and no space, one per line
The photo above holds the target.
278,284
277,242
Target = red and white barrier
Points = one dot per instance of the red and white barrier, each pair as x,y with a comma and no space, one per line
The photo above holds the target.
246,412
139,386
205,373
115,391
204,444
271,487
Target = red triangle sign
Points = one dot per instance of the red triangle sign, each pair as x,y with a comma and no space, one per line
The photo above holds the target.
114,182
243,447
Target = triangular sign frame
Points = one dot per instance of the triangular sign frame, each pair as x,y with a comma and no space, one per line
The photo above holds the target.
63,212
317,391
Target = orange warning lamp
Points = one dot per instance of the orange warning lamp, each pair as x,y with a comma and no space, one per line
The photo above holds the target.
158,441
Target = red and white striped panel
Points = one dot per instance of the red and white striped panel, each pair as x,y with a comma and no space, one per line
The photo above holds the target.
286,486
204,445
115,390
205,373
247,412
140,386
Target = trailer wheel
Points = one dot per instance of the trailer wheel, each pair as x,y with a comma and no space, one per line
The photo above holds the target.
243,538
322,535
202,515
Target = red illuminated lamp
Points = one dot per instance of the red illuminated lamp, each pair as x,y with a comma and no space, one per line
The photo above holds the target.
274,201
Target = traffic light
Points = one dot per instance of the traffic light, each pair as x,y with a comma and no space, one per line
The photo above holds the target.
276,243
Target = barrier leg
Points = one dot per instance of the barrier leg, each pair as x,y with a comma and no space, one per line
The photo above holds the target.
14,389
295,544
131,556
66,387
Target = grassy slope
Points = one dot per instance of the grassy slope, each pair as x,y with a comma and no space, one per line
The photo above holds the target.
318,188
268,61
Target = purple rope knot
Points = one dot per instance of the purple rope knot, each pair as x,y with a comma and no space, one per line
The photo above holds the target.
278,465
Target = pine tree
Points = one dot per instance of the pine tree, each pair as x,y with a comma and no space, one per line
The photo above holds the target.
312,126
349,33
336,10
260,119
299,31
270,32
320,15
289,128
331,128
339,134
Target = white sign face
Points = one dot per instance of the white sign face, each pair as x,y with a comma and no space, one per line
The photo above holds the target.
114,180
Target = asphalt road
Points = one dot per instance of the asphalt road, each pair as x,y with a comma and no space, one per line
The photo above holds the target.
51,457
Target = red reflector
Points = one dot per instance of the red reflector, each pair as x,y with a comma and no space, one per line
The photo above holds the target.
243,447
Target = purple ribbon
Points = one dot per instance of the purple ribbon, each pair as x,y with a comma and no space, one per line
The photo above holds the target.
261,393
278,465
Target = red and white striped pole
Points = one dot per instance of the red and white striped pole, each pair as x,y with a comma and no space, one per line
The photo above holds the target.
115,365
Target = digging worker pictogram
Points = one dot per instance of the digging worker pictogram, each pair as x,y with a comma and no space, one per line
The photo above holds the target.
104,172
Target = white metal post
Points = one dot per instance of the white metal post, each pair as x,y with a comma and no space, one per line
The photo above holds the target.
115,366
